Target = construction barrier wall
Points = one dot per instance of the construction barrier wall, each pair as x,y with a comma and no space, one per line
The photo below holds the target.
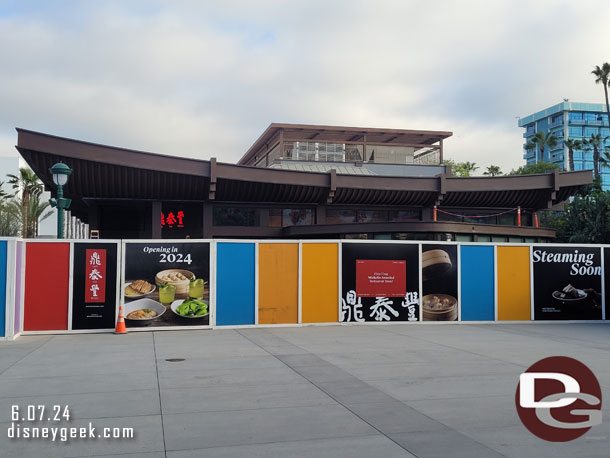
63,286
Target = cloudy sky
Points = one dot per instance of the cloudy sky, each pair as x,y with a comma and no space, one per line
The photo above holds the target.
204,79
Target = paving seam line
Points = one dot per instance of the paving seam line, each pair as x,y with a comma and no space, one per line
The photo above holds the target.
348,408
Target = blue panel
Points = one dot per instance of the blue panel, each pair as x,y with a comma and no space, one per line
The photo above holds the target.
235,284
3,249
477,293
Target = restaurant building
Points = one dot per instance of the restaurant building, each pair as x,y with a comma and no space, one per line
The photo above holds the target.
300,182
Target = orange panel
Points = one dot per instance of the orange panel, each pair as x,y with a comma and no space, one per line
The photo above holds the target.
514,283
320,283
278,272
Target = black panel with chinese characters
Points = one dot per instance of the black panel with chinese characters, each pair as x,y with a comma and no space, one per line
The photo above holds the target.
94,286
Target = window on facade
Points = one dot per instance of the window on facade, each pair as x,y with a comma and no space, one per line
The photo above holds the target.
404,215
331,152
390,154
356,236
591,131
531,129
463,238
507,219
336,216
591,117
557,119
297,217
575,116
372,216
353,153
575,131
235,216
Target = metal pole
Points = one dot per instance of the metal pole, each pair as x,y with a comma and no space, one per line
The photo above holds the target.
60,213
519,216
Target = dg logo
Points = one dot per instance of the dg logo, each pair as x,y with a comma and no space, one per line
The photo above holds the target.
559,399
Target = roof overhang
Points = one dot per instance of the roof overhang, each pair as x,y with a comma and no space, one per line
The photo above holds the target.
103,172
339,134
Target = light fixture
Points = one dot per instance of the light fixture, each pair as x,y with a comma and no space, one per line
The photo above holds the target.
60,172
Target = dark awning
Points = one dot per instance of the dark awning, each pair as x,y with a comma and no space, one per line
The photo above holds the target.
106,172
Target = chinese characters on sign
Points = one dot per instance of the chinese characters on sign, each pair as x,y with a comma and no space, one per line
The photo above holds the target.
351,308
95,276
172,220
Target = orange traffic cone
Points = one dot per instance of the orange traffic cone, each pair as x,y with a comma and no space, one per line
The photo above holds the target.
120,324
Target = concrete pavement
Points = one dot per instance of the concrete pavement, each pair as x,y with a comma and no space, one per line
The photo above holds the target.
333,391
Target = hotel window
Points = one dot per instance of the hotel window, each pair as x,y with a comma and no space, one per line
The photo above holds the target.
591,131
575,131
591,117
575,116
531,129
557,119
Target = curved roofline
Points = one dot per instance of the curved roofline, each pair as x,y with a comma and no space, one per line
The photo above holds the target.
103,171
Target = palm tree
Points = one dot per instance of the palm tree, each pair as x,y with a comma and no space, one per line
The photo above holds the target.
595,142
35,214
542,140
492,171
463,169
30,185
603,76
572,145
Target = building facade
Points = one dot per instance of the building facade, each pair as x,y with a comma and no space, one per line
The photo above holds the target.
568,120
127,194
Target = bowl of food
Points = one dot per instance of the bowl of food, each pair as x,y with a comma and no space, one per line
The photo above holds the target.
179,278
569,295
190,308
138,288
142,311
439,307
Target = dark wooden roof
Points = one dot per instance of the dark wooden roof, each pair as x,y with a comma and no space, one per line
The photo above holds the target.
339,134
107,172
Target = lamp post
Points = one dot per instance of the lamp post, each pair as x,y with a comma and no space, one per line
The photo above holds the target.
60,172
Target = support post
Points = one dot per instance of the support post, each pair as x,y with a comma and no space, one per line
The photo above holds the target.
434,214
519,216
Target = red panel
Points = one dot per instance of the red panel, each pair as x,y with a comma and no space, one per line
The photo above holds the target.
47,281
380,278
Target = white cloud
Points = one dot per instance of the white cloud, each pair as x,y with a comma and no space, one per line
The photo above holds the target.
204,79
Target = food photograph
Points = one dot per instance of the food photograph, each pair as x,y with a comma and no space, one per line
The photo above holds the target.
439,282
567,283
166,284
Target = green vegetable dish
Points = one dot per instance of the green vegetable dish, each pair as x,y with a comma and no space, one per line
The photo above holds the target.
192,308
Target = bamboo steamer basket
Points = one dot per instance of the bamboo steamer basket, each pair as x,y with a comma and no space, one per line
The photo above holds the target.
182,286
449,314
434,263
